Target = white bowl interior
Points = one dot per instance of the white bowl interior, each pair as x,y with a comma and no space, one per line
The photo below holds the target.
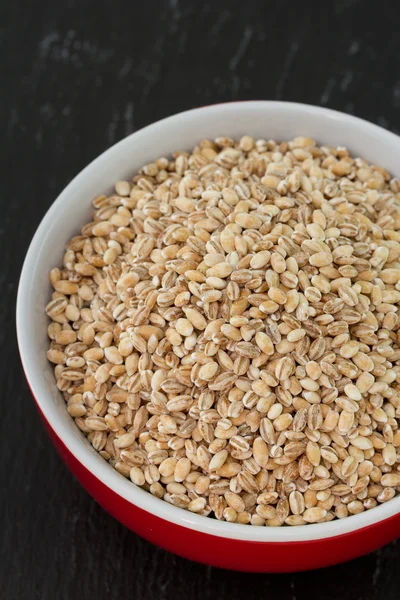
270,120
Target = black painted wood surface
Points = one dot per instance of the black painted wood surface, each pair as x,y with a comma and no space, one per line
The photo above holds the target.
76,77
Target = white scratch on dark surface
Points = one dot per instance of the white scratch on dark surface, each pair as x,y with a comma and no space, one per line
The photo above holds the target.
112,128
326,94
128,118
208,574
235,84
175,16
150,71
70,49
13,120
67,46
377,570
354,47
151,77
396,94
219,85
241,49
346,81
46,109
174,5
294,597
126,67
47,43
287,65
219,23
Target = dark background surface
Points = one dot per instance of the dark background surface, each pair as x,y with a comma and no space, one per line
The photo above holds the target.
76,77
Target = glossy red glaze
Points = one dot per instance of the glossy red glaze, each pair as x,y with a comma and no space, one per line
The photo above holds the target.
240,555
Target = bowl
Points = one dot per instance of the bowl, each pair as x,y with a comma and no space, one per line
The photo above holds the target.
222,544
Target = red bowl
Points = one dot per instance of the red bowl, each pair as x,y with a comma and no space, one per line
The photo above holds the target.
228,545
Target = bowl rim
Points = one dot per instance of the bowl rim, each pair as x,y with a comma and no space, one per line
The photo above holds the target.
89,458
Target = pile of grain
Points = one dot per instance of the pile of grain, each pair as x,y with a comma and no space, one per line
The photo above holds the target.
226,331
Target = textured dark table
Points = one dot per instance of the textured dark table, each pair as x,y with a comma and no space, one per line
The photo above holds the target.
75,78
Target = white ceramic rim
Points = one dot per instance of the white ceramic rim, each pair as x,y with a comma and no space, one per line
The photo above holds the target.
102,470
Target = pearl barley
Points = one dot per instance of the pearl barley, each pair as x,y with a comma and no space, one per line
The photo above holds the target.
225,331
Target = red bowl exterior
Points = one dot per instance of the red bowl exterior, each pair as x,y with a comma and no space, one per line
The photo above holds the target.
238,555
